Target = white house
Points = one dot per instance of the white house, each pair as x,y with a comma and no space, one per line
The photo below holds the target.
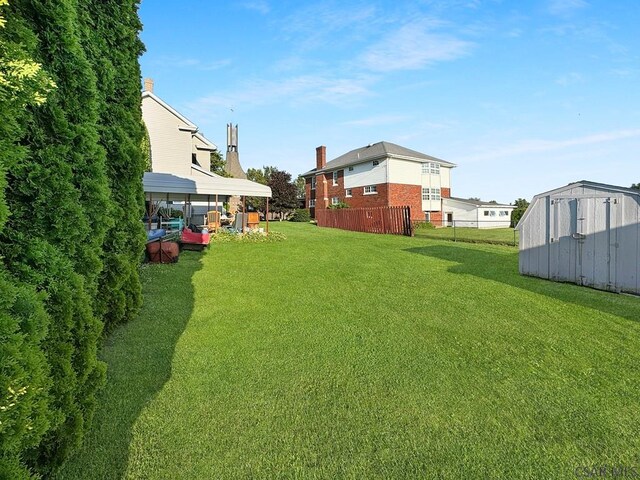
180,162
176,144
474,213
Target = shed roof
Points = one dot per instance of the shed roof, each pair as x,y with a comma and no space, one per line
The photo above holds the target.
378,151
579,183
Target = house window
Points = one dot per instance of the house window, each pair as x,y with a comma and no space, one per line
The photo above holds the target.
433,168
427,216
312,202
313,183
504,213
370,189
335,178
492,213
335,200
348,192
351,169
430,194
486,213
376,163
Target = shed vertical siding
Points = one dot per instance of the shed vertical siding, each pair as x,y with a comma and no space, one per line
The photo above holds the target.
628,246
584,233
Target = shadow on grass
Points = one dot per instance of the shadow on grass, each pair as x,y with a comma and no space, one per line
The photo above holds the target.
139,357
502,266
479,236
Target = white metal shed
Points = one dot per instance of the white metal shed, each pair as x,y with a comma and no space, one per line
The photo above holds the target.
586,233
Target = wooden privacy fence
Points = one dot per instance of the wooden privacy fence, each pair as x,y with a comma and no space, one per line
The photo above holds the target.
393,220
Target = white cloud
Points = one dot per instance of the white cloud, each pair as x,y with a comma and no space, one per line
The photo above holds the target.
565,7
319,25
538,145
259,6
292,91
414,46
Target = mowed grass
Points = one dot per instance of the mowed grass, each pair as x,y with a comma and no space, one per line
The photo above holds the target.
345,355
499,236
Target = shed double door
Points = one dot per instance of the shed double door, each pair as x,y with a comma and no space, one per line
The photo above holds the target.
582,248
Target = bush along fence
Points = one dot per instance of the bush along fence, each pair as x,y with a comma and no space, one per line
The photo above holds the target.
392,220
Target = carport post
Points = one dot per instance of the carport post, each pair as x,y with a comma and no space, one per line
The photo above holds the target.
267,215
149,210
244,212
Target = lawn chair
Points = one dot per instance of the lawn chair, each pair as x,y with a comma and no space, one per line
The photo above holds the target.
253,220
213,221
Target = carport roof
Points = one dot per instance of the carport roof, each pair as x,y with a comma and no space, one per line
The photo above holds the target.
201,185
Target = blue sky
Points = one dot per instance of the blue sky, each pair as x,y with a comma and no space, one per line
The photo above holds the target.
523,96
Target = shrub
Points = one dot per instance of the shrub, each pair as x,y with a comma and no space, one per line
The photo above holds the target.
300,215
253,236
338,205
423,226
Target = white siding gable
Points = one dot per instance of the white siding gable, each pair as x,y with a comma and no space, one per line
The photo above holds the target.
202,152
365,174
171,147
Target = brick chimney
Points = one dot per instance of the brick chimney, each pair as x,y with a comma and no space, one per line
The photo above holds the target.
148,85
321,157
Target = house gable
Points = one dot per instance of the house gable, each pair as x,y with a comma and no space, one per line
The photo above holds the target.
175,141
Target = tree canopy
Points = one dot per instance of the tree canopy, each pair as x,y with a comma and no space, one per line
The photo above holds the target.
218,164
521,206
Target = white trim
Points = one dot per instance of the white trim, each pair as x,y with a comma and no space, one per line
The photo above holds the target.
201,185
373,191
201,170
348,192
171,109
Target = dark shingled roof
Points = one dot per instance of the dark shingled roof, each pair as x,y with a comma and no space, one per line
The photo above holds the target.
377,151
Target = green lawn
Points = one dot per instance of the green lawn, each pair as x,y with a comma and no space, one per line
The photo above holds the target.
500,236
345,355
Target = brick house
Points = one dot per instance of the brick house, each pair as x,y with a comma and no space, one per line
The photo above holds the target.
380,174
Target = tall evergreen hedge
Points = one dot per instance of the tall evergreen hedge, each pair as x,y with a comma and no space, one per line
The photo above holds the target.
70,232
110,29
24,373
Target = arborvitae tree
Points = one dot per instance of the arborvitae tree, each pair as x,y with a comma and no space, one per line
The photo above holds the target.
59,201
110,34
24,374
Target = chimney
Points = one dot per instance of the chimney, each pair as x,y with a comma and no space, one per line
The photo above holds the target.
321,157
148,85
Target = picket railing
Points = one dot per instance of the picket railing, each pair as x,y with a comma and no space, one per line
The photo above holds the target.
392,220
